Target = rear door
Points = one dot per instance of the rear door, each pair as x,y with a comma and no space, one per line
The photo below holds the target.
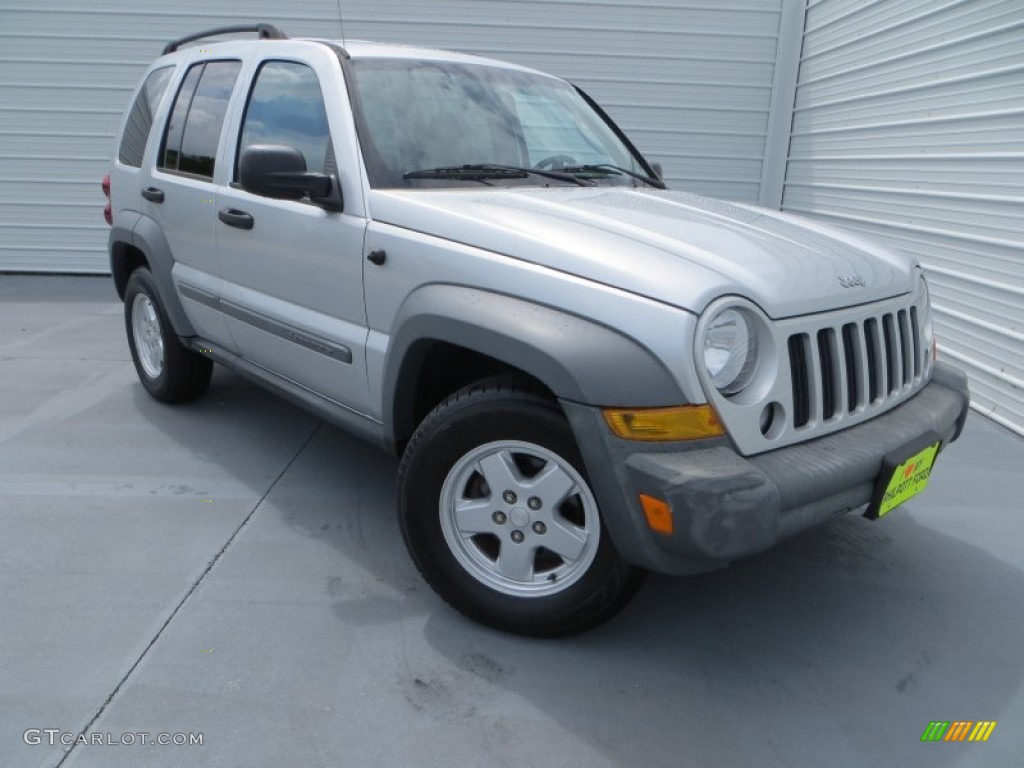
293,271
179,192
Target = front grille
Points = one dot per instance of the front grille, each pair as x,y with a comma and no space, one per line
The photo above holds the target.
801,384
847,368
824,372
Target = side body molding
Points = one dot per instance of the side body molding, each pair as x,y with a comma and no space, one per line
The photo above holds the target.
144,233
576,358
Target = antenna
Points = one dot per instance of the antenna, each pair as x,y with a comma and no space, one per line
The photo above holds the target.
341,20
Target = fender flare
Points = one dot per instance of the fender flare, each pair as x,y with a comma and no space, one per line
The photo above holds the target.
576,358
119,237
144,233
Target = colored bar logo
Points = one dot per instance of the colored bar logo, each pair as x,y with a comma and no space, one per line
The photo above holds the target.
958,730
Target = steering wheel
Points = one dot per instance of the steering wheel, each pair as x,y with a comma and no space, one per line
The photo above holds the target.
554,162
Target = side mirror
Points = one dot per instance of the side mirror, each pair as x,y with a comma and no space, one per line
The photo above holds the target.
280,173
660,174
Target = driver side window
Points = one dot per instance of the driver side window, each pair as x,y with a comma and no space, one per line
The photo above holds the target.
286,108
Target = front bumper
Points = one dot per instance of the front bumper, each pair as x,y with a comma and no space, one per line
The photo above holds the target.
726,506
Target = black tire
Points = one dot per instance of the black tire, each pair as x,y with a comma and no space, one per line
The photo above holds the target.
486,428
180,374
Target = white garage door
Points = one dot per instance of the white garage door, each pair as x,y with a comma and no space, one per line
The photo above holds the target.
909,124
67,70
690,80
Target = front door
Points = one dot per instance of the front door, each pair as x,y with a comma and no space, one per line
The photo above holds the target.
293,291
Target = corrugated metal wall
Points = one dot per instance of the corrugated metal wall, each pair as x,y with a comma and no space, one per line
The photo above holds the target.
909,124
690,80
67,70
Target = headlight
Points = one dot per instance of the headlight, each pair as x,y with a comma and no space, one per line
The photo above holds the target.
730,350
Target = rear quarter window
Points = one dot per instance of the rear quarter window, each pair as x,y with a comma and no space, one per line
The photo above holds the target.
140,118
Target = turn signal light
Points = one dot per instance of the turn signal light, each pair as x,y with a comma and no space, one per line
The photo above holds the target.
683,422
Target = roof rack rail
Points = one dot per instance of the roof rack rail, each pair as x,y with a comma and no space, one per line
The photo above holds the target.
265,32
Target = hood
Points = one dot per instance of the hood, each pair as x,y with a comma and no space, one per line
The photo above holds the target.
673,247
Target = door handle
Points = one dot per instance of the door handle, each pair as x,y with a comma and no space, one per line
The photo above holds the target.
235,218
153,194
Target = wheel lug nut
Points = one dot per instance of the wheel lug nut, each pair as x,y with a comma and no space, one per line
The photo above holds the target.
517,537
533,502
499,517
539,527
509,497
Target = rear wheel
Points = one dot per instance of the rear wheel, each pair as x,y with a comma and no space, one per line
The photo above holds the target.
167,369
499,516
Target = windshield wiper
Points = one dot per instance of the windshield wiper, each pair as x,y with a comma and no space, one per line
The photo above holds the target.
456,174
607,168
493,171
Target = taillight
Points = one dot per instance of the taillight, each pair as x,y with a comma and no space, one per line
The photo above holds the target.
108,213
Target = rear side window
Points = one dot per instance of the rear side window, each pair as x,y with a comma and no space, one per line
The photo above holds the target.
176,122
193,130
140,118
286,108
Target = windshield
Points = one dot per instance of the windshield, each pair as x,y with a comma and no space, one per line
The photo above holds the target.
436,123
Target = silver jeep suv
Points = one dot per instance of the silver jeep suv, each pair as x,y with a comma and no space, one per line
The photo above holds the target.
468,263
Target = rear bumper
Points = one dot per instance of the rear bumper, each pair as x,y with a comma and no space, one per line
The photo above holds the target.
726,506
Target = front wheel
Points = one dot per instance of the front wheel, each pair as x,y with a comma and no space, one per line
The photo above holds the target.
499,516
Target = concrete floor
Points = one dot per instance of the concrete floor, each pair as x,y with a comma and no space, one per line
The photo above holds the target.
234,568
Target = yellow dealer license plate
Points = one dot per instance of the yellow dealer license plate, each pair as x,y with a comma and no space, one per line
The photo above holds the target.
905,473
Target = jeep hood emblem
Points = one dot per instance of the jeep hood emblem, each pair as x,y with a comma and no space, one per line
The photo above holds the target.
852,281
